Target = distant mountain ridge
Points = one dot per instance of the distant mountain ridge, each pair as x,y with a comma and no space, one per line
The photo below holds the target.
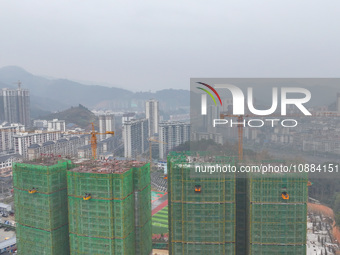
59,94
51,95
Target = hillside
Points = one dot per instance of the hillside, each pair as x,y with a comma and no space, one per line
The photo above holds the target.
79,115
59,94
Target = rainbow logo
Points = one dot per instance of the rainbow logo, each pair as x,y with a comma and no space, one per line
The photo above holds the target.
209,93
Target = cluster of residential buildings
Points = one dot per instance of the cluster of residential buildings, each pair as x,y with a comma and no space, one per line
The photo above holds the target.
319,135
22,139
135,130
138,132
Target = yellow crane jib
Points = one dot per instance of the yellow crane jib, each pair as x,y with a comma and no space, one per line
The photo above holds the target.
87,197
32,191
285,195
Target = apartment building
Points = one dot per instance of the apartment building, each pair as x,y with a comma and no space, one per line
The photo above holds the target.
172,134
15,106
24,140
7,131
64,147
56,125
135,136
152,115
106,123
6,163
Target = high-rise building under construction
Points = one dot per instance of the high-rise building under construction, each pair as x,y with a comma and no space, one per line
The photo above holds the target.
93,207
234,214
40,194
110,208
277,213
106,123
15,106
201,208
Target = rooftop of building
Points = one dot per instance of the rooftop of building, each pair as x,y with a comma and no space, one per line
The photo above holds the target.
4,158
7,238
14,89
6,124
107,114
48,143
173,122
33,146
73,138
56,120
107,167
129,114
34,133
133,121
45,160
62,140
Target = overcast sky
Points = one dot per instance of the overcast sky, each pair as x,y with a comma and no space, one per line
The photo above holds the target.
152,45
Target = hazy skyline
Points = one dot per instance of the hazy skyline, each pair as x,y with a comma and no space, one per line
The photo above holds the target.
153,45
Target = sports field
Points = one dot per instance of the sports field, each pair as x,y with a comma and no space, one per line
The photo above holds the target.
156,195
160,222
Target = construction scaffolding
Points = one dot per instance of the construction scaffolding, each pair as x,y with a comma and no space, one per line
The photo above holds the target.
36,241
201,209
142,198
278,249
241,214
40,198
110,208
277,213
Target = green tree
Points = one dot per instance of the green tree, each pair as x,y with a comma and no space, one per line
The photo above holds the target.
337,219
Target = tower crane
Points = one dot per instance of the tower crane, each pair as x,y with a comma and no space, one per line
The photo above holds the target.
93,140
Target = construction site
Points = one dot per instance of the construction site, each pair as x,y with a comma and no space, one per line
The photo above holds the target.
234,214
104,207
40,195
277,213
92,207
110,208
201,210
